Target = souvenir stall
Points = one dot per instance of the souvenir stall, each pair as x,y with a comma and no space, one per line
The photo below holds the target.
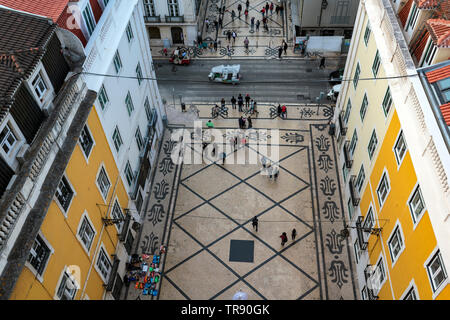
144,271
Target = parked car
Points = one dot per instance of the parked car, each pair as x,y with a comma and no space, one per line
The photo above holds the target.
336,77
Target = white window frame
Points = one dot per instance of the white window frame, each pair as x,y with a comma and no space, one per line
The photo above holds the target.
139,140
139,74
369,213
372,136
429,53
411,287
394,149
380,284
347,111
376,64
355,138
129,32
93,142
397,230
84,216
97,260
149,8
416,219
356,75
39,79
129,104
70,277
55,198
357,251
365,103
129,170
350,209
437,290
116,128
103,98
113,216
102,166
28,264
414,13
367,33
361,173
386,113
117,62
384,174
48,94
88,25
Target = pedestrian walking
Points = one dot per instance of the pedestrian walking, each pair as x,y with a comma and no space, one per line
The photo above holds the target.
240,102
233,34
255,109
322,63
207,24
223,156
183,107
284,111
257,25
293,234
233,102
240,122
233,15
247,4
223,10
279,110
267,8
246,14
277,9
211,47
249,121
280,51
221,22
215,45
247,101
271,8
210,124
239,10
255,223
263,11
284,238
246,43
222,103
229,35
264,161
216,24
228,50
252,23
281,10
252,106
285,46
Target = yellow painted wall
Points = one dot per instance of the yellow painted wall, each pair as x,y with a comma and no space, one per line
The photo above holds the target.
419,242
61,231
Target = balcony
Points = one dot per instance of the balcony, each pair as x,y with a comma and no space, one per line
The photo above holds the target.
152,19
174,19
342,126
354,194
347,156
361,238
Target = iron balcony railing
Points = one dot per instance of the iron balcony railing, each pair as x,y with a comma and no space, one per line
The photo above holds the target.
347,156
152,19
172,19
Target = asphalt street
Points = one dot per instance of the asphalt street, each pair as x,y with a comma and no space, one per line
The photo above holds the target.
276,81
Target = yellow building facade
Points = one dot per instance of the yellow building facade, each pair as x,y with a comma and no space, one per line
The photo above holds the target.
73,238
395,245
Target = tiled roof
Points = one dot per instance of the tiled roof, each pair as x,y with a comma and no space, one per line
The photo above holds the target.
404,12
427,4
440,32
445,110
438,74
21,50
47,8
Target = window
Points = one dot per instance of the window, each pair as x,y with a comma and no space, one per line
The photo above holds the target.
380,274
40,88
376,64
350,208
105,2
129,173
139,141
353,143
103,182
67,287
117,62
356,77
395,244
357,249
367,34
436,271
116,213
147,109
347,111
430,52
129,32
360,179
86,233
103,97
154,33
372,144
39,255
173,8
413,17
387,102
416,204
139,201
86,141
364,294
104,265
139,73
400,148
64,193
411,295
7,139
345,172
129,242
117,138
364,105
369,221
89,19
383,189
444,86
149,8
129,104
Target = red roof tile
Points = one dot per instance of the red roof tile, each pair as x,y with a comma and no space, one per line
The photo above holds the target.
445,110
48,8
440,32
438,74
404,12
427,4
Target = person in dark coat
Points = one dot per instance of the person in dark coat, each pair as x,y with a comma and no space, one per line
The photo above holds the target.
221,22
280,51
257,25
247,101
239,10
293,234
233,15
233,102
285,46
240,102
255,223
267,8
222,103
322,63
249,120
284,238
279,110
247,3
229,35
